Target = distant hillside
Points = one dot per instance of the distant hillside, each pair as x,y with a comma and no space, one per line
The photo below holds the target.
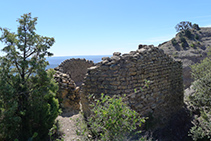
189,49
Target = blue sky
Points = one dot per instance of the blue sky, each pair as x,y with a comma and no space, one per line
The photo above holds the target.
101,27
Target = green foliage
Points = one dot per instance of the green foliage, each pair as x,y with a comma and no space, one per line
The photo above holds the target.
55,132
183,40
27,91
201,100
184,25
196,36
188,33
193,45
82,128
183,45
196,26
174,42
175,54
111,119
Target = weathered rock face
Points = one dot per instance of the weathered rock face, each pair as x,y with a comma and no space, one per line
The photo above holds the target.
76,68
128,73
68,93
194,51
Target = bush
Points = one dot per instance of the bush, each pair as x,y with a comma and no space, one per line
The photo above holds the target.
201,100
175,54
55,132
188,34
174,42
111,119
183,45
193,45
196,26
196,37
183,40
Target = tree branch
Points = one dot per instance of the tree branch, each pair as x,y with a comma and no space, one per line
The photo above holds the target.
31,53
16,64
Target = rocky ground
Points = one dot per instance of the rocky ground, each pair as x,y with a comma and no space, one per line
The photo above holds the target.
68,126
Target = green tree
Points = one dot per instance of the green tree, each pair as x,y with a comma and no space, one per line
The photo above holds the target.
27,91
184,25
201,100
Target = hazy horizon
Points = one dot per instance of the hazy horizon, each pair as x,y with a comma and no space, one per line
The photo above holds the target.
55,61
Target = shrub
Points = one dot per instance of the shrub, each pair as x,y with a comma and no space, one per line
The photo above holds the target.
196,36
193,45
55,132
183,40
175,54
188,33
111,119
201,100
174,42
196,26
183,45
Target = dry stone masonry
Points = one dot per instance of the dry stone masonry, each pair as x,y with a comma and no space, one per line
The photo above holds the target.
68,93
76,68
129,73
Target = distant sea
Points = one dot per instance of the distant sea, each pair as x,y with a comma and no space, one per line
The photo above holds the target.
57,60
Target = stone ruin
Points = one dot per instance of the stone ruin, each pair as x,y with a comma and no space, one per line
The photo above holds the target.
128,74
76,68
125,74
69,75
68,93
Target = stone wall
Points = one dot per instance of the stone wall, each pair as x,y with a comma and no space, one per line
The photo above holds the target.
128,73
68,93
76,68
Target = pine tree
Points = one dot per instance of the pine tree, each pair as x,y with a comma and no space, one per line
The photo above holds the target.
28,106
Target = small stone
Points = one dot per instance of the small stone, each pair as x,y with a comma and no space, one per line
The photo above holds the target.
114,67
106,58
141,46
132,73
90,136
116,54
116,58
93,68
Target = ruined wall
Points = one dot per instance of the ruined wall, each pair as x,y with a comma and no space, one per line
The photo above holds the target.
68,93
76,68
126,74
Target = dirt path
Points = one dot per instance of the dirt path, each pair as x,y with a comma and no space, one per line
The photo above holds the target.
68,126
